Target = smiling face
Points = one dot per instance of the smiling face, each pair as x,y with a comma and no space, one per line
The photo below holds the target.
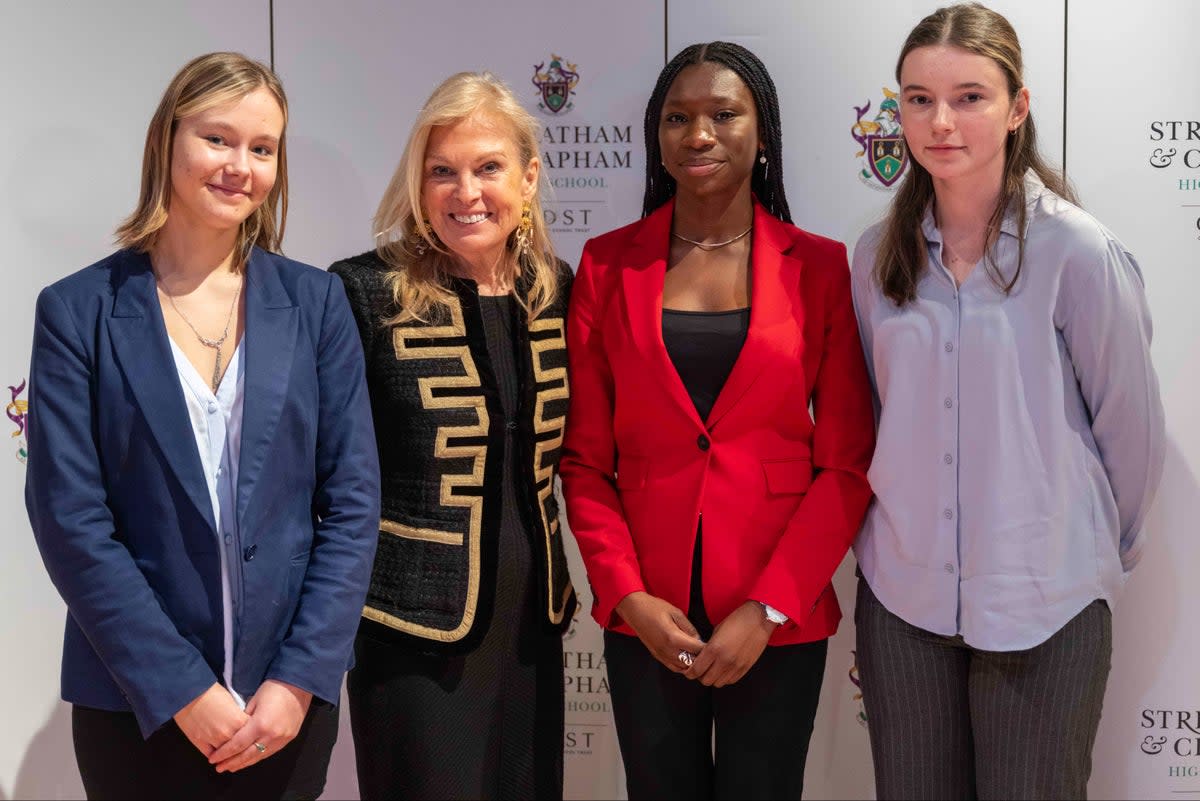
957,112
474,188
708,131
224,162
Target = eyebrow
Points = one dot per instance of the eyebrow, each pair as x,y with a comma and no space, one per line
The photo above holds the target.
722,100
483,157
916,87
224,126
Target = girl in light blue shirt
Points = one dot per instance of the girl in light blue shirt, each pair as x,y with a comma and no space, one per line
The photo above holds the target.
1020,440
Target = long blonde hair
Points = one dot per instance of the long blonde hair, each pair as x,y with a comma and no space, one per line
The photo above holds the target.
903,251
419,263
204,82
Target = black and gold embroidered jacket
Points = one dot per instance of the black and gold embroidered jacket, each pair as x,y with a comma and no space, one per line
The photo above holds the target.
441,433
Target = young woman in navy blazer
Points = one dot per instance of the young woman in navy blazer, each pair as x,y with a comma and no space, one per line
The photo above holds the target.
202,479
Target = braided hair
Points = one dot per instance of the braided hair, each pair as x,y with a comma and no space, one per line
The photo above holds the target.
766,181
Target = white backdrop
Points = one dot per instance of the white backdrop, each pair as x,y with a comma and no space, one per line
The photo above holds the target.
80,81
1133,67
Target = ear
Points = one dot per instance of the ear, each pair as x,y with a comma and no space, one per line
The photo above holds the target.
529,180
1020,109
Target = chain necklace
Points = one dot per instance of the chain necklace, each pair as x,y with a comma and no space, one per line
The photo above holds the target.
215,344
714,245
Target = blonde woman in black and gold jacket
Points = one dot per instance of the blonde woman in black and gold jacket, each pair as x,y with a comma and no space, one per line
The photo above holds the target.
457,691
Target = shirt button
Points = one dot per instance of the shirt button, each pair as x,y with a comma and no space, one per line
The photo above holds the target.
949,568
948,459
248,554
948,514
948,403
949,347
212,407
228,539
702,442
511,426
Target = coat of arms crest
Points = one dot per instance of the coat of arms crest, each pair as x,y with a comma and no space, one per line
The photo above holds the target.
556,83
884,155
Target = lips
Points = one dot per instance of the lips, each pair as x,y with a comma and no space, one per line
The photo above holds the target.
228,191
700,167
470,219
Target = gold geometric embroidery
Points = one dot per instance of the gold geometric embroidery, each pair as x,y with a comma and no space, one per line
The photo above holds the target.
401,336
543,425
427,534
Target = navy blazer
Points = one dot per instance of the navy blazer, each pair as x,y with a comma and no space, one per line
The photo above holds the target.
121,511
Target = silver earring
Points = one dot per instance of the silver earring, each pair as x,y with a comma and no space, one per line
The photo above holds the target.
762,157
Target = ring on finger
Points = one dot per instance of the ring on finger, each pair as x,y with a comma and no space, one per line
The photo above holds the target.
262,749
686,658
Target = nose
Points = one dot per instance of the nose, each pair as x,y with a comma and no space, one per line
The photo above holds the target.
943,117
238,162
466,189
699,134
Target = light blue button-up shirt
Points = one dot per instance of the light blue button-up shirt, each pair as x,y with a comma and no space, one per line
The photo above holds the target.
217,424
1021,438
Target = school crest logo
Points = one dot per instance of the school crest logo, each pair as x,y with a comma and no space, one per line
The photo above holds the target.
883,154
861,717
18,412
556,84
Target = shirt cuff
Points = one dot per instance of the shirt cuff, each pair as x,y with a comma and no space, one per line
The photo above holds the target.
773,614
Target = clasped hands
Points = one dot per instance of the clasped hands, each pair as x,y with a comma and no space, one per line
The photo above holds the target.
735,645
233,739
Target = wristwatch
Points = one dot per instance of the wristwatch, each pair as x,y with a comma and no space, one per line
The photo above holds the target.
773,614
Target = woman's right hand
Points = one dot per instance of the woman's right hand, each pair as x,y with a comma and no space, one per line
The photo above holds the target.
664,629
211,719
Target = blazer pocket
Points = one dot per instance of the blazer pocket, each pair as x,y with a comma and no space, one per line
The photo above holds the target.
787,476
631,473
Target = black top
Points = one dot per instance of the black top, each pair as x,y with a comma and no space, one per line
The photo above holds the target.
703,346
516,560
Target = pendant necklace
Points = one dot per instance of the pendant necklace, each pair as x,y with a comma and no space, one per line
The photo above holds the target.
215,344
714,245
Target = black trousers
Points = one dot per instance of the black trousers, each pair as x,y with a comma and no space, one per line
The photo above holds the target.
763,724
665,722
116,763
948,721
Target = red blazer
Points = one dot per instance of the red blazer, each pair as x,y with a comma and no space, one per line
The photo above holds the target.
782,498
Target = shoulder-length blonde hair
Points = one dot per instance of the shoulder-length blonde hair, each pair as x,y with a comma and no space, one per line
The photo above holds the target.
903,251
204,82
419,263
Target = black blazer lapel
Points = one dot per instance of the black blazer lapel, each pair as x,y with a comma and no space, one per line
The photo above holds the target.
139,338
271,328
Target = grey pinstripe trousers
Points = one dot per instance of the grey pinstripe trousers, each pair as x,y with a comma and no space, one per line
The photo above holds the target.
948,721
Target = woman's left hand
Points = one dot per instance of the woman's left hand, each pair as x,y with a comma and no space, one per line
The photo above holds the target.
276,712
736,644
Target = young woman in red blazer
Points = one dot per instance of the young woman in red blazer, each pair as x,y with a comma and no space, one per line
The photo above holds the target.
710,507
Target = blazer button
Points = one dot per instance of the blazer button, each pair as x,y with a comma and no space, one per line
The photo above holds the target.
248,554
702,442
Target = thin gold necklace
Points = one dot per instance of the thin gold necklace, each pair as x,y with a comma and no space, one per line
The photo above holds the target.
714,245
215,344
